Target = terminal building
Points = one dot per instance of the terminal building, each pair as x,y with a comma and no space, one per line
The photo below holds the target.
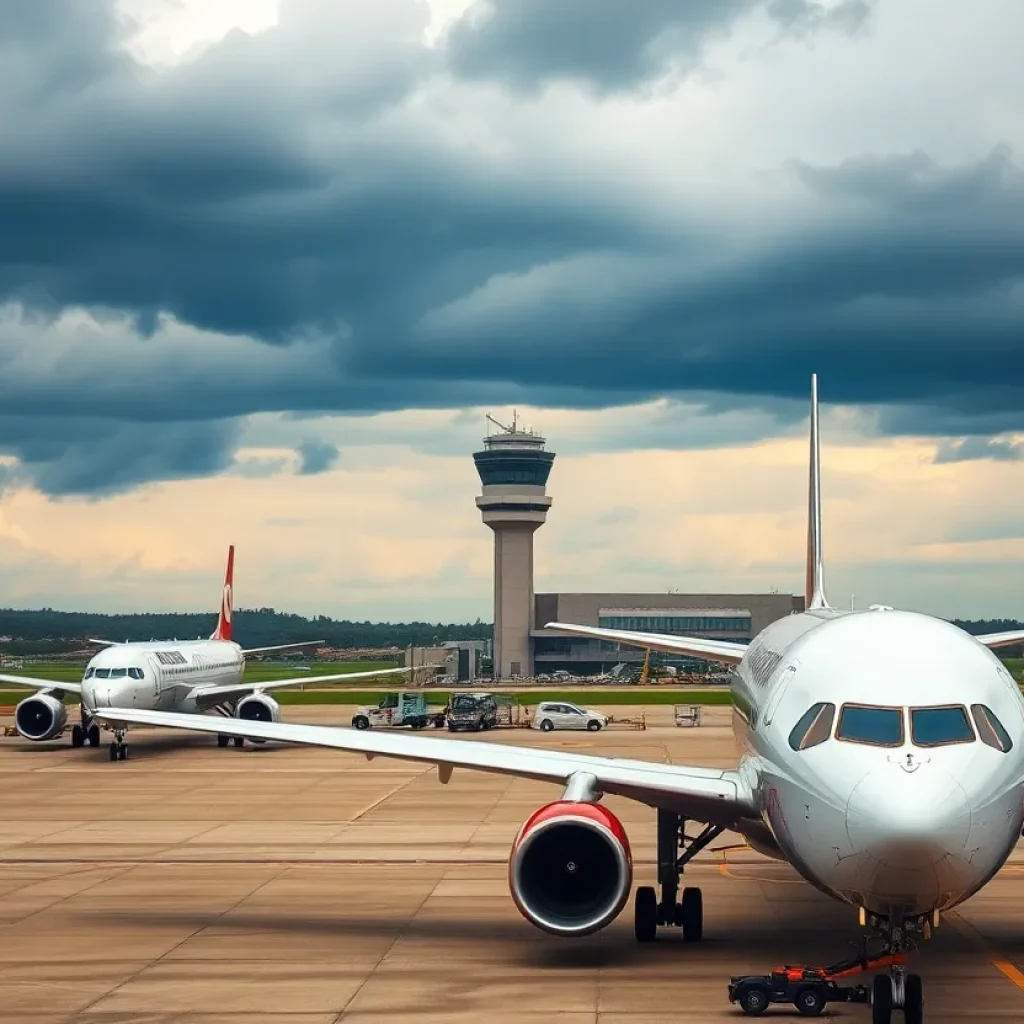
514,466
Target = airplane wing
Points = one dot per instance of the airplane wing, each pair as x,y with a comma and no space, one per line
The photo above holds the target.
208,696
41,684
714,795
692,646
1013,636
281,647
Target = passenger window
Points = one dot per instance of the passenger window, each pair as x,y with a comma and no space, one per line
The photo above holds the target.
990,729
876,726
814,727
940,726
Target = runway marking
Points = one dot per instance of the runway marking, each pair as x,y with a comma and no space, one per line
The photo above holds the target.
968,931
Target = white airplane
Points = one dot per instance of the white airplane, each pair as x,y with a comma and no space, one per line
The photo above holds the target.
881,756
184,676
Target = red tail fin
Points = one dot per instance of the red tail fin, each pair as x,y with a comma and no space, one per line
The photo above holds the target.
223,630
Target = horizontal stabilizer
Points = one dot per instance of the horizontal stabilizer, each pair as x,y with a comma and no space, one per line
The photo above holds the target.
208,696
282,647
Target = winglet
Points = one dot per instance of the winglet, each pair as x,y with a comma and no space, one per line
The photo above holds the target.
223,630
815,586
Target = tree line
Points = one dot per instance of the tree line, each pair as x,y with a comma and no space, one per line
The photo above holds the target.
46,630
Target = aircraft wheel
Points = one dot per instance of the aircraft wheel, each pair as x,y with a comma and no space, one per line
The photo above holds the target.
122,751
113,751
692,914
77,736
913,999
93,735
222,740
239,741
881,1000
645,914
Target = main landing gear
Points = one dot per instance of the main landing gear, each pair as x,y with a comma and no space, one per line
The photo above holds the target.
87,732
118,748
675,850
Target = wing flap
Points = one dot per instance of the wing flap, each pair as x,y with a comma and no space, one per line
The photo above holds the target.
41,684
695,647
705,794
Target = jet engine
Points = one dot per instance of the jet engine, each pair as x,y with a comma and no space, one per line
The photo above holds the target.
258,707
40,717
571,871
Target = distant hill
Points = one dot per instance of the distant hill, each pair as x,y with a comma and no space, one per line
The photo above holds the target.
46,630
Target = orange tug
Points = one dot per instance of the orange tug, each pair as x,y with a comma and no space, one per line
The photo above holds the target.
809,989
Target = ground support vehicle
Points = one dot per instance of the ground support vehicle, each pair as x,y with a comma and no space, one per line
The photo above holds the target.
551,714
399,709
811,989
689,714
472,711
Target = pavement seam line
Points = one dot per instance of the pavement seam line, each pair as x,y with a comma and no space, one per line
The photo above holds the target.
191,935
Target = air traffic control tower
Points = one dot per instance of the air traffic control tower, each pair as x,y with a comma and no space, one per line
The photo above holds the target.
514,470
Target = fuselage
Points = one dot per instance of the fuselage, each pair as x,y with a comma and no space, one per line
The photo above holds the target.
159,676
886,752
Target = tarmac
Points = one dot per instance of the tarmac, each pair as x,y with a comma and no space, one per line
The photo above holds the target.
282,885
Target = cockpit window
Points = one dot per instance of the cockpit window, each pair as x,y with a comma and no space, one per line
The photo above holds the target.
814,727
937,727
990,729
118,673
136,673
103,673
89,672
877,726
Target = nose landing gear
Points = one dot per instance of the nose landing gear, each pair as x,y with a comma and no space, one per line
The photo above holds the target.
898,990
118,748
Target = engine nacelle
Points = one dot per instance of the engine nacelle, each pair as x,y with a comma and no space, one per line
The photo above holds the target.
40,717
571,871
258,707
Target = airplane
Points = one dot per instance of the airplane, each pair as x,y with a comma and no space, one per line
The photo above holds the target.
184,676
881,757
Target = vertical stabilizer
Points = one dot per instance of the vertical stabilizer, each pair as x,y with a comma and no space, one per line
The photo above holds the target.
815,585
223,630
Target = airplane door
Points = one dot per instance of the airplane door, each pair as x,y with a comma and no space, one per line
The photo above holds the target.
780,691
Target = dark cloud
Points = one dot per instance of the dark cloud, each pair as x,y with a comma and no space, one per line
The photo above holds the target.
316,457
285,236
101,457
969,448
609,44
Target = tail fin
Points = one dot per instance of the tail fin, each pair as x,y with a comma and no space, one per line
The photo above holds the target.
223,630
815,584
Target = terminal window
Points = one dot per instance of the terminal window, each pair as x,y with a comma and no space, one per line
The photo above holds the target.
677,624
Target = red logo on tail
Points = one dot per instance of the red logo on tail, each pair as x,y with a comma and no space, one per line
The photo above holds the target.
223,630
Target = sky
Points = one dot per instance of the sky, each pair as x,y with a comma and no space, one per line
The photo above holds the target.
265,265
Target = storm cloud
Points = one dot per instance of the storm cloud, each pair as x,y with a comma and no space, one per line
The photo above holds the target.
386,223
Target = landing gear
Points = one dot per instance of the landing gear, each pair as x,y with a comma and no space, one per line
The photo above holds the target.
898,990
675,850
118,748
222,740
87,732
239,741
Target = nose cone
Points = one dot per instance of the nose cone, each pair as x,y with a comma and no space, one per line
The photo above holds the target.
909,819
